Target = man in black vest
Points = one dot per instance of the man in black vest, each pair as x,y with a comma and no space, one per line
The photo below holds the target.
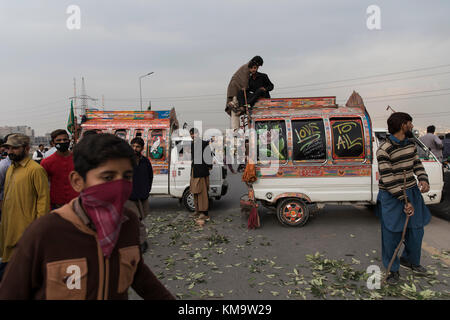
38,155
201,164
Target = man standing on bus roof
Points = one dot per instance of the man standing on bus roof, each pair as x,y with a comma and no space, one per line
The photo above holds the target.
395,156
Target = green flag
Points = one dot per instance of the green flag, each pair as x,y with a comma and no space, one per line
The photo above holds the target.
71,120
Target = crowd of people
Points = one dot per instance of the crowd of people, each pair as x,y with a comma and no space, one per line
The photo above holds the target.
73,210
438,145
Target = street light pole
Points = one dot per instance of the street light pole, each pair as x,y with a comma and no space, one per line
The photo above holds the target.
140,85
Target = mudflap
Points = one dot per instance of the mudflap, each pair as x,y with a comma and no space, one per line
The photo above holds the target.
247,204
313,210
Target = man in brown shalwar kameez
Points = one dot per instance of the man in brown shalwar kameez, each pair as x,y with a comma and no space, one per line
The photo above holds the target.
238,81
201,164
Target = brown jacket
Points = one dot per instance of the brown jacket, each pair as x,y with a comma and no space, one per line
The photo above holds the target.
238,81
59,257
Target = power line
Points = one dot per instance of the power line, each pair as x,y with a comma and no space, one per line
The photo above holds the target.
210,97
398,94
419,115
61,112
380,81
308,84
368,77
189,98
415,97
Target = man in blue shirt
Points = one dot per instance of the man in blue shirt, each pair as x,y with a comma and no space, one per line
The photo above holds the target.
142,185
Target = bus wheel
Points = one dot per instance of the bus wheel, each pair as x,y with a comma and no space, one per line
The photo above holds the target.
292,212
188,200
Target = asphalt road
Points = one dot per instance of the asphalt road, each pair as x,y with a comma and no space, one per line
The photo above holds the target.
326,259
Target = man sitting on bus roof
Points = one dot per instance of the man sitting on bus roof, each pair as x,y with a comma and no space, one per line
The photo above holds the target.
259,86
238,82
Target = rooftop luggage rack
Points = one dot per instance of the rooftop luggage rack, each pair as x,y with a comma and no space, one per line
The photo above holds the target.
307,102
126,115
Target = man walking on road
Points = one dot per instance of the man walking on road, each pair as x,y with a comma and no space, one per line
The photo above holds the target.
26,195
199,184
433,142
396,156
58,167
142,185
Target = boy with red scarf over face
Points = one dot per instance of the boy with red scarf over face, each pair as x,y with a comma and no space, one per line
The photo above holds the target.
89,248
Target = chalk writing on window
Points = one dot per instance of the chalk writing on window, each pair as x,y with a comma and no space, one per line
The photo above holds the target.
348,141
309,142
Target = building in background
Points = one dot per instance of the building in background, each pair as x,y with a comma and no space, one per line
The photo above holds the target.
26,130
45,140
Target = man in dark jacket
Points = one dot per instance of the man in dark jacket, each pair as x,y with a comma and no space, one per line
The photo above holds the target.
142,185
201,164
446,151
259,86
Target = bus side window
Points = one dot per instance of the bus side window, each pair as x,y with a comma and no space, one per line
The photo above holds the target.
271,139
348,138
156,145
309,142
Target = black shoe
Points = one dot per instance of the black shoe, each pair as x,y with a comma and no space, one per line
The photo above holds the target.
405,263
415,268
393,277
143,247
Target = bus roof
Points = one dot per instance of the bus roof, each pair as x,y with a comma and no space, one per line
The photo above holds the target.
126,115
95,119
305,106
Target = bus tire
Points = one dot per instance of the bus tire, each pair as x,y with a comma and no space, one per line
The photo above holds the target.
292,212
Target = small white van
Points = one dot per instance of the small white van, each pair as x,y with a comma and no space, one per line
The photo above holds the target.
178,184
171,170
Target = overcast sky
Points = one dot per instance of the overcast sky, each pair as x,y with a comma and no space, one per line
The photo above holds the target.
194,47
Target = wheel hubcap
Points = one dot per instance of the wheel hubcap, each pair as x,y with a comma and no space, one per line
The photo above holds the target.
190,201
292,213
